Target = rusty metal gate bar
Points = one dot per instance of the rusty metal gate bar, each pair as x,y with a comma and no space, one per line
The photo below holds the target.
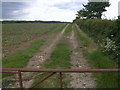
20,79
60,71
43,80
60,79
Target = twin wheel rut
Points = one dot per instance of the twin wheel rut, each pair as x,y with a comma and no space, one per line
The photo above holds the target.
39,58
77,80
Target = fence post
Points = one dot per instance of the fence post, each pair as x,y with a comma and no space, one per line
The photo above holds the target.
61,80
20,79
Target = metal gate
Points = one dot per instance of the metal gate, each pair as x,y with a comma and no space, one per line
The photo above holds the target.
53,71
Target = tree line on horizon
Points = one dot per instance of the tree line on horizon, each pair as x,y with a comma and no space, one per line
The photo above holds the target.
36,21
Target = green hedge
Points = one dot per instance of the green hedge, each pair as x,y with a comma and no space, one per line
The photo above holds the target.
105,32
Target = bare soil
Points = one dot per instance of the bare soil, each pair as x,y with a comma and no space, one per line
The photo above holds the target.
79,80
13,48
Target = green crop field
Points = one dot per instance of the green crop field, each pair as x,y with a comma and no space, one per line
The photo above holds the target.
15,34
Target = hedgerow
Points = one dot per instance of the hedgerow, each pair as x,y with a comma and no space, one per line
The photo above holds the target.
104,32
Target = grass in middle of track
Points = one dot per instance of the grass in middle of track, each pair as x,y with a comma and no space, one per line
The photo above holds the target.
68,29
59,59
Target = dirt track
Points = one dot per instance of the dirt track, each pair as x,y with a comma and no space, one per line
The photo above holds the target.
79,80
42,56
39,58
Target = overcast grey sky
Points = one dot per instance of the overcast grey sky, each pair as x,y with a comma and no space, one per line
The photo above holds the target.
58,10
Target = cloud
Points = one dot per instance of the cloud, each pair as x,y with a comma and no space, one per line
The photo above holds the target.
112,11
119,8
58,10
63,10
13,10
15,0
70,5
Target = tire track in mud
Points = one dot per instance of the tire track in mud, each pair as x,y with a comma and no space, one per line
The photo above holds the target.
36,60
79,80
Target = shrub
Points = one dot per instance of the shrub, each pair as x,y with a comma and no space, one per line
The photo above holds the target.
104,32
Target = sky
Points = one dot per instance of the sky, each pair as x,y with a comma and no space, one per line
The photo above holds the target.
49,10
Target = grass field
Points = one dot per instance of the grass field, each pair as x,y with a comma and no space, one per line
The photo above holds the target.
15,34
18,33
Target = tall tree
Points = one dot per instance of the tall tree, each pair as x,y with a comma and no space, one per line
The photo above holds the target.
93,9
119,17
82,13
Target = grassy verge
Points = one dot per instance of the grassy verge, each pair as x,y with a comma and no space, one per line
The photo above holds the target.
83,37
68,30
59,59
20,58
98,60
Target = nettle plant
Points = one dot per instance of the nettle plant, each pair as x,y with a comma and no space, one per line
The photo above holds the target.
108,45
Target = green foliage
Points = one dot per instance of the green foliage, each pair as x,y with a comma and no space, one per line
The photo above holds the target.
98,60
82,13
93,9
100,31
20,58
